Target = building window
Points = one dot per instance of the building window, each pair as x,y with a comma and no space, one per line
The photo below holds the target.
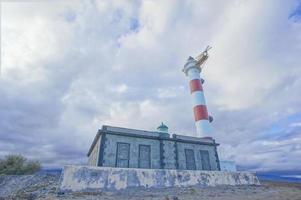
123,155
205,160
190,161
144,156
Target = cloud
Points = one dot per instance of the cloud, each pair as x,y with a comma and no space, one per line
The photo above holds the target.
295,124
69,68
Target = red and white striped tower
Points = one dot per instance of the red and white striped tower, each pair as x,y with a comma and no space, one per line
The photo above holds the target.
192,69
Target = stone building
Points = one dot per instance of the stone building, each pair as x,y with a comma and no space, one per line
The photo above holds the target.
131,148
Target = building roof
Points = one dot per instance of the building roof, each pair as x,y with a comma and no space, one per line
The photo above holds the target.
149,135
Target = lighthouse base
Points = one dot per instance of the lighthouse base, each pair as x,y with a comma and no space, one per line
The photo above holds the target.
203,128
85,178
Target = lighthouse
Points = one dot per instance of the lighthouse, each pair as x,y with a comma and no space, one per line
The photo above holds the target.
192,70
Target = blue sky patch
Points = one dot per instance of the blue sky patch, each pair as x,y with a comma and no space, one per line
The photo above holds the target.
296,14
134,24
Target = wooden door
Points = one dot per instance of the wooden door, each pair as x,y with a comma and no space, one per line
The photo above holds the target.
144,156
123,155
190,160
205,160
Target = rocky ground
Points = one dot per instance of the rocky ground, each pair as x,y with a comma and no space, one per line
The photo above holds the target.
45,187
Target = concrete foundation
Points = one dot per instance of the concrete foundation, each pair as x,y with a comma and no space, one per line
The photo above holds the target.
86,178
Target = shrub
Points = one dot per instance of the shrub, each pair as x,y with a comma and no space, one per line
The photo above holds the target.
18,165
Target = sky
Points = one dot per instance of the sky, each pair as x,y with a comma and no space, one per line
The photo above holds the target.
69,67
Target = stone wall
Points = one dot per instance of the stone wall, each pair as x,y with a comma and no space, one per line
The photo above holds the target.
169,155
111,146
93,157
196,148
84,178
165,153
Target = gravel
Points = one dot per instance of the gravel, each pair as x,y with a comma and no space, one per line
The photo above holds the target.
28,186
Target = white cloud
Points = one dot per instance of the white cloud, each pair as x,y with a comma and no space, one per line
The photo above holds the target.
296,124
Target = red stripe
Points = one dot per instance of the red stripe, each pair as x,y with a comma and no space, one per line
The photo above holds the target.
195,85
200,112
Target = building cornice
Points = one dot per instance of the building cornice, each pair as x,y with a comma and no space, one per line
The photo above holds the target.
150,135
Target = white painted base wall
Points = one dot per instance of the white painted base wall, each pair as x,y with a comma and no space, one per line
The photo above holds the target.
86,178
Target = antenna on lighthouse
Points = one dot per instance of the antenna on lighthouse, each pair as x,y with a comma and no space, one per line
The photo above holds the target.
201,58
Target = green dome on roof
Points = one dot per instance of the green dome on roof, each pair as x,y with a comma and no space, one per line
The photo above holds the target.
163,128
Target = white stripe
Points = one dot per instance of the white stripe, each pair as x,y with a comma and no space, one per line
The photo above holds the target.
193,74
198,98
203,128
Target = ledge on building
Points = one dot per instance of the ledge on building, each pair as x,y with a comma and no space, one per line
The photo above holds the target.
150,135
